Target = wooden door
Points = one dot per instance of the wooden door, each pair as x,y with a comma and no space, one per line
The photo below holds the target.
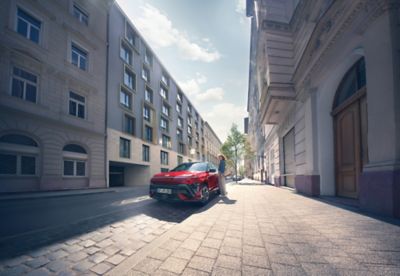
348,146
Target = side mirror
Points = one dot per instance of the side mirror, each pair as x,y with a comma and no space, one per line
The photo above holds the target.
212,170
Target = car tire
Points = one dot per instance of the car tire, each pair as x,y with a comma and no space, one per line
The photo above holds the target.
205,194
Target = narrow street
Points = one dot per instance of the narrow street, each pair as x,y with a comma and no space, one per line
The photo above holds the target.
256,230
74,233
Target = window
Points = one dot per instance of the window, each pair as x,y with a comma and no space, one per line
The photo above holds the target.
147,113
190,141
165,109
125,98
79,57
179,108
145,153
189,120
129,124
179,134
164,170
146,74
180,122
166,141
129,79
164,93
190,130
197,116
148,134
164,124
124,148
189,109
21,163
181,148
180,160
76,105
197,145
126,54
179,96
197,136
148,57
165,78
28,26
81,15
74,159
164,157
148,95
131,36
24,85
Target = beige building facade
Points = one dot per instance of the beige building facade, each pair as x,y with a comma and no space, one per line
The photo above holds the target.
52,94
323,101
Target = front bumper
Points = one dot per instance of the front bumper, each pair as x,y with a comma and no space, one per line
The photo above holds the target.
179,192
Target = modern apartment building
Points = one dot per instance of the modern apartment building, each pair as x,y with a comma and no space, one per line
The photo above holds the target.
151,125
212,145
52,94
323,98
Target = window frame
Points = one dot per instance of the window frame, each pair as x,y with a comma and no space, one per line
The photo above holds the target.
130,73
164,157
81,53
78,103
128,50
133,126
29,25
148,91
26,82
128,93
145,153
123,150
82,13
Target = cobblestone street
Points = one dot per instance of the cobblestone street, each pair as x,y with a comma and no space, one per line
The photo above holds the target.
256,230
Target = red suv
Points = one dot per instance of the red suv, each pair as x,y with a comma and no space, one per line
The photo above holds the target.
193,181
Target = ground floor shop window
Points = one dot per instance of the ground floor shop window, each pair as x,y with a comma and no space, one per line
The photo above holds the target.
74,161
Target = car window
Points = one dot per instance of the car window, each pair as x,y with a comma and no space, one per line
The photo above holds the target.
191,167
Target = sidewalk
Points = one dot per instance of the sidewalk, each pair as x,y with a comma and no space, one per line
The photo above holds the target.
63,193
263,230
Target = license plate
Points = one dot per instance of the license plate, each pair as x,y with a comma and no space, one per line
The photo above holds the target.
164,191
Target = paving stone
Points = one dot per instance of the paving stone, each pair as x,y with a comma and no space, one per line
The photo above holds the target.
232,242
59,254
256,260
197,235
101,268
148,265
194,272
255,271
111,250
67,273
76,257
174,265
161,272
149,238
255,250
222,271
160,254
319,269
17,261
58,265
207,252
73,248
281,269
216,234
116,259
201,263
127,252
83,266
91,250
15,271
37,262
105,243
38,272
98,258
87,243
229,262
211,242
231,251
183,253
191,244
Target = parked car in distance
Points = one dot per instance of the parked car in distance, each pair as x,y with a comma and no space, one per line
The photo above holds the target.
237,178
193,181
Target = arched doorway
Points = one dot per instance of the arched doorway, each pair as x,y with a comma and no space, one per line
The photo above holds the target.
350,129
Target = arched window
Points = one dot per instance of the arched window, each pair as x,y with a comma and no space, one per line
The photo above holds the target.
74,159
353,81
18,155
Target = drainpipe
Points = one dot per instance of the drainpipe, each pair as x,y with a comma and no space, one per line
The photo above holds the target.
106,100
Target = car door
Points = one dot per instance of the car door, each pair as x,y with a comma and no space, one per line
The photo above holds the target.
212,177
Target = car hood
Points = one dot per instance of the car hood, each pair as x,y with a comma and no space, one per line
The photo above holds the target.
181,177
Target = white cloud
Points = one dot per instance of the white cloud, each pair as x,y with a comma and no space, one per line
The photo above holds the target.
159,31
223,115
241,6
193,89
212,94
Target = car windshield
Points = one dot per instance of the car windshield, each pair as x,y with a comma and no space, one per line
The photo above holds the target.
191,167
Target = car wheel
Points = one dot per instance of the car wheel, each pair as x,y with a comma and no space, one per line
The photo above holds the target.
205,194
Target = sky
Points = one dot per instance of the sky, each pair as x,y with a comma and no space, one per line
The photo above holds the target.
204,45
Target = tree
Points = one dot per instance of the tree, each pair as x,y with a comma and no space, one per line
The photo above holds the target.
235,147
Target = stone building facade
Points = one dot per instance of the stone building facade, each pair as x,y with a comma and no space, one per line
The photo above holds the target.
52,94
323,98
